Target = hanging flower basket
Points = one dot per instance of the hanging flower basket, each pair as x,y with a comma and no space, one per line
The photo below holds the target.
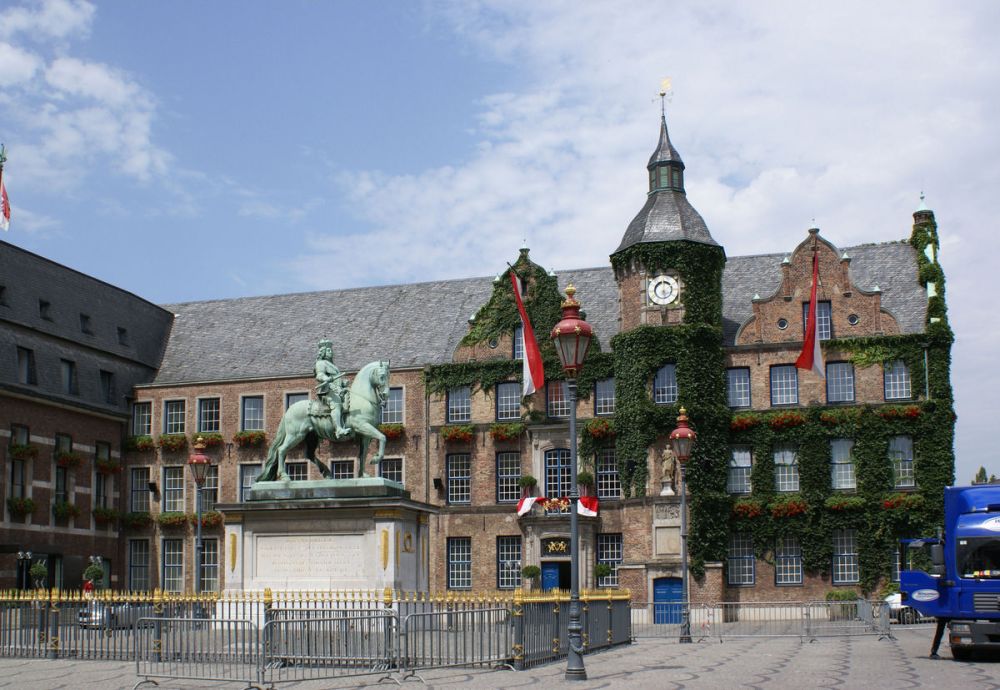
209,520
461,433
841,504
210,440
107,465
105,516
173,520
19,507
140,443
249,439
786,420
506,432
901,501
173,442
392,431
788,507
64,510
22,452
599,428
748,508
742,422
69,459
136,521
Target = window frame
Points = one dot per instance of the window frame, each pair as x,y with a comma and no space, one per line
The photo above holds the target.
739,552
557,474
204,420
508,483
509,568
745,485
555,402
730,388
143,583
610,551
839,381
458,405
108,389
175,568
382,469
845,560
143,474
245,472
245,419
825,317
295,397
69,377
604,401
170,422
209,575
517,343
506,392
839,461
173,489
899,464
666,392
394,411
607,481
894,379
779,461
459,572
780,385
458,468
788,561
27,371
144,416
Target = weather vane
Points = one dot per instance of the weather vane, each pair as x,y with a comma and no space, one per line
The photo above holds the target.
666,93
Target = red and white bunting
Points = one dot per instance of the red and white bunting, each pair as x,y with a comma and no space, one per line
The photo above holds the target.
587,506
524,505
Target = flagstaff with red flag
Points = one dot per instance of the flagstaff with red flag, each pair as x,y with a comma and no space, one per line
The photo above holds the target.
533,372
811,356
4,201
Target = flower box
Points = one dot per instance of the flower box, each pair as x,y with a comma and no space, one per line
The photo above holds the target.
599,428
104,516
140,443
742,422
64,510
392,431
461,433
172,520
790,506
210,440
899,412
506,432
136,521
173,442
107,465
903,501
786,420
249,439
22,452
19,507
209,519
844,503
748,508
69,459
837,417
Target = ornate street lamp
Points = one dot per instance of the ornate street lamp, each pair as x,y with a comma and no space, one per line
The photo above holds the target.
681,441
571,337
199,464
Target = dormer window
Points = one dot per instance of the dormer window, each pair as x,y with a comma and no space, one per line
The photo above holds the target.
85,324
45,310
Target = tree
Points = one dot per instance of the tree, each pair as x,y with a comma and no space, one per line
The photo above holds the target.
980,477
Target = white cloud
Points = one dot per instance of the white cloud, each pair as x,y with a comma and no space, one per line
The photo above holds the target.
48,19
16,65
92,81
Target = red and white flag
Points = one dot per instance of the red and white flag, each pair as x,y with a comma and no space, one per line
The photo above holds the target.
587,506
533,373
811,356
524,505
4,205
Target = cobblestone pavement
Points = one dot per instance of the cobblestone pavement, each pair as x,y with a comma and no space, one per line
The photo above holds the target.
850,662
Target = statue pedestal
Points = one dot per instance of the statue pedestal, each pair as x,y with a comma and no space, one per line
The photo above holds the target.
328,534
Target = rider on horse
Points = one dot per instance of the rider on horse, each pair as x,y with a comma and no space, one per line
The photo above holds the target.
331,387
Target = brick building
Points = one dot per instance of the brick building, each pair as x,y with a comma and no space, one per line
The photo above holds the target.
798,483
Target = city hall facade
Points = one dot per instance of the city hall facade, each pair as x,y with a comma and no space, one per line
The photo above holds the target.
798,484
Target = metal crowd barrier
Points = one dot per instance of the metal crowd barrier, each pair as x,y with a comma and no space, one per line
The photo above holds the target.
441,639
211,649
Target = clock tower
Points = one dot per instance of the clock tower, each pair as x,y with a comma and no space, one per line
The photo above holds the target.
668,263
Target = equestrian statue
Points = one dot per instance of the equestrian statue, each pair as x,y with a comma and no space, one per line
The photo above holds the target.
343,411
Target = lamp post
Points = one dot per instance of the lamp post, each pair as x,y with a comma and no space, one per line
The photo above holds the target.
681,440
199,464
571,337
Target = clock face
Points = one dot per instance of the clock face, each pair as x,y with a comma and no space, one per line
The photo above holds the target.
663,290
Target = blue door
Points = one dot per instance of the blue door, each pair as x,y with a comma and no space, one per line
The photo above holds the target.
550,576
667,600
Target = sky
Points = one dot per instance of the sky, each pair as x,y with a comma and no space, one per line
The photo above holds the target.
187,150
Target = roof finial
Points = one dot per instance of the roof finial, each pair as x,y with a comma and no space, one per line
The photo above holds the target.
665,93
923,205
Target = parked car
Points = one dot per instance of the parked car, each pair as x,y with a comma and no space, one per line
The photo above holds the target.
101,615
902,614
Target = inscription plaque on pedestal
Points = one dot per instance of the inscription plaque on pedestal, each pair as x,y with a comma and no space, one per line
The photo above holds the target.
303,557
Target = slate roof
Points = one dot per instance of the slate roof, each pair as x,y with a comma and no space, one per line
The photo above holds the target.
422,323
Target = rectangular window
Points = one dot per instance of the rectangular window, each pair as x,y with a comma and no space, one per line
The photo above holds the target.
19,435
252,417
208,415
518,342
609,485
342,469
459,404
842,464
784,385
460,563
740,561
85,324
297,471
122,336
70,386
823,314
108,391
138,487
142,419
64,444
901,454
609,552
786,467
557,399
101,481
508,562
45,309
665,385
738,387
508,401
210,489
209,564
391,469
459,478
604,397
292,398
557,473
173,489
740,466
173,416
839,382
173,565
26,373
18,478
138,565
845,557
392,413
787,561
60,493
896,376
248,475
508,477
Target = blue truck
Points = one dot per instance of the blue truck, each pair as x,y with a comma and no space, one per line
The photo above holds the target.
964,583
